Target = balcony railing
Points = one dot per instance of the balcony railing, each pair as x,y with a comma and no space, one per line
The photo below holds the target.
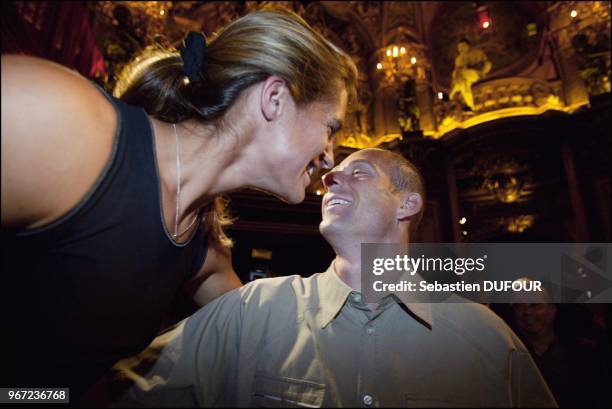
496,99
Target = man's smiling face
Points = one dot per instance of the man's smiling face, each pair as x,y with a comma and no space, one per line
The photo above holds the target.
361,203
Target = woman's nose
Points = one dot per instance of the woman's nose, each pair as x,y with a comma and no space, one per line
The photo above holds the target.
327,157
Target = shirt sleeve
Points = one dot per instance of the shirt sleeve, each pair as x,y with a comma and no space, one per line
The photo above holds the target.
529,389
191,365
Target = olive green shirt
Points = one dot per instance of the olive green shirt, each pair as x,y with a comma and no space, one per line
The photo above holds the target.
311,342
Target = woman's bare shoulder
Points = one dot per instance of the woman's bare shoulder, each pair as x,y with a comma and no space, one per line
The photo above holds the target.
57,135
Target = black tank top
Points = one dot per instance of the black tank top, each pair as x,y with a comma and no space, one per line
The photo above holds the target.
92,287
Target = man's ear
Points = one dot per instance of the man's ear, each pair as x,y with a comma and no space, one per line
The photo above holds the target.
411,204
272,91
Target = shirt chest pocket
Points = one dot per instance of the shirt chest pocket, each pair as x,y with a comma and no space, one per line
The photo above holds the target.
277,392
473,401
436,403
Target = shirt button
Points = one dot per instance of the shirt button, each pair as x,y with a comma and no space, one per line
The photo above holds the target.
356,297
368,400
370,331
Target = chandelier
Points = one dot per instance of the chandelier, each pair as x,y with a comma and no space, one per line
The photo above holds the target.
400,62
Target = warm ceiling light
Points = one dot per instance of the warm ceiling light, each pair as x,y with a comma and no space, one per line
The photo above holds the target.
379,66
413,60
395,51
440,95
462,220
486,24
402,50
388,53
162,12
318,193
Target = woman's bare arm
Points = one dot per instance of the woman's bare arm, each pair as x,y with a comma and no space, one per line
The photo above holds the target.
57,135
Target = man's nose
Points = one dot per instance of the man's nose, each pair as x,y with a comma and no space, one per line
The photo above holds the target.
331,178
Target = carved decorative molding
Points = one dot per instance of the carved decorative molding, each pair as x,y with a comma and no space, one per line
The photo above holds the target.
496,99
517,224
365,29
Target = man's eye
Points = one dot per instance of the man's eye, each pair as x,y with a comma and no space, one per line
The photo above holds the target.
357,172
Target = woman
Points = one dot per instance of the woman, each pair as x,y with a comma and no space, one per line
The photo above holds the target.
108,209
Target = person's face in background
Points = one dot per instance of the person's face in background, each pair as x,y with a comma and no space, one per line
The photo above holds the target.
534,319
533,313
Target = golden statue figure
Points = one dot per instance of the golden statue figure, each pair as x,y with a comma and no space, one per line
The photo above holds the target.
471,65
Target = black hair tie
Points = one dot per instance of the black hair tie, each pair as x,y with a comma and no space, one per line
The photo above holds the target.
193,54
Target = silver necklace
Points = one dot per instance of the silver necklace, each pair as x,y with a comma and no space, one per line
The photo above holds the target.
178,190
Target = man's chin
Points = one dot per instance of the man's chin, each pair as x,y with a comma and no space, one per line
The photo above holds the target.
328,229
335,235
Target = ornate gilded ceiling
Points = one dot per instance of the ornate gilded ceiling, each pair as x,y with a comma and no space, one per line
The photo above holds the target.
511,43
525,78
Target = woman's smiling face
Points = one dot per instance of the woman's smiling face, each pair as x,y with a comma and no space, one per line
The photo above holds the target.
303,145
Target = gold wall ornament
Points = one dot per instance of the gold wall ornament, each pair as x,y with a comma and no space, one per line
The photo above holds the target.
517,224
569,18
506,188
363,141
503,176
585,71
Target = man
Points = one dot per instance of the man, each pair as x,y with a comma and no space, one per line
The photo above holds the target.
311,342
471,65
576,374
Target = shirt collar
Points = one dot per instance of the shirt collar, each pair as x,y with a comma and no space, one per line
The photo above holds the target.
334,292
